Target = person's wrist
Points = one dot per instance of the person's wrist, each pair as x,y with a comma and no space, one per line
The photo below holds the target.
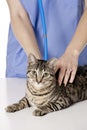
73,52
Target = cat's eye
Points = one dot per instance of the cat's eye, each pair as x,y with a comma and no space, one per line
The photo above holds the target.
34,72
46,74
28,71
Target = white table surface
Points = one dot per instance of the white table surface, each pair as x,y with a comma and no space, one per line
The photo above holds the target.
11,90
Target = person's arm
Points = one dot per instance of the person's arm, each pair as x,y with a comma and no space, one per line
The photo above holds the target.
69,61
22,28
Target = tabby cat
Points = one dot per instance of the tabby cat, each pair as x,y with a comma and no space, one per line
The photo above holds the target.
43,91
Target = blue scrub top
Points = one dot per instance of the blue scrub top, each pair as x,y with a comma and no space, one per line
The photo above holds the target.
62,17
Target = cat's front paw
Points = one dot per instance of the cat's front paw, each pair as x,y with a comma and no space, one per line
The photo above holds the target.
11,108
38,112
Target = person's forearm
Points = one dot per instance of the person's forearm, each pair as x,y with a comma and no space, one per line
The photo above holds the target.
79,40
25,35
23,31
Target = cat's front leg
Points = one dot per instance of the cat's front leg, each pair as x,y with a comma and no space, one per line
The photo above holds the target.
41,111
60,104
23,103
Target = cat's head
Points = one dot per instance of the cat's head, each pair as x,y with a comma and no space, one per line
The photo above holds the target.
40,73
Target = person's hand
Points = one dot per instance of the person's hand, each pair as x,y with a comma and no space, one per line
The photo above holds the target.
68,66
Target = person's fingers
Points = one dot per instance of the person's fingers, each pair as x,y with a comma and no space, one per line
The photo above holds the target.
73,75
57,66
61,75
67,76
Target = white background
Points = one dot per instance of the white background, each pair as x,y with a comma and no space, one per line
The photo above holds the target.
4,24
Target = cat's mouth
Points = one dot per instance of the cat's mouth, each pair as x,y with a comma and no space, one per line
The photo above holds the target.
38,85
41,85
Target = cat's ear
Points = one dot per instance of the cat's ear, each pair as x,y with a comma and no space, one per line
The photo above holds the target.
31,58
52,62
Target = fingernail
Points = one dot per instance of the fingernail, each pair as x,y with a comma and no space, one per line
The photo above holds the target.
65,84
71,82
59,83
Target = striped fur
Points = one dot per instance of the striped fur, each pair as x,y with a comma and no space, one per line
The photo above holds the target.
43,91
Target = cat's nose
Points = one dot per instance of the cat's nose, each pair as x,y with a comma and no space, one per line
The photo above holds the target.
39,79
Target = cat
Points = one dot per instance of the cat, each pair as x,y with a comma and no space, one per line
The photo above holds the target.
43,91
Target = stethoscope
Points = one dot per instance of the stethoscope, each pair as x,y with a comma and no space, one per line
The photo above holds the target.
41,10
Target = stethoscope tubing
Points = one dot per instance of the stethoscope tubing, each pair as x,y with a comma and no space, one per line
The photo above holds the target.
43,21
